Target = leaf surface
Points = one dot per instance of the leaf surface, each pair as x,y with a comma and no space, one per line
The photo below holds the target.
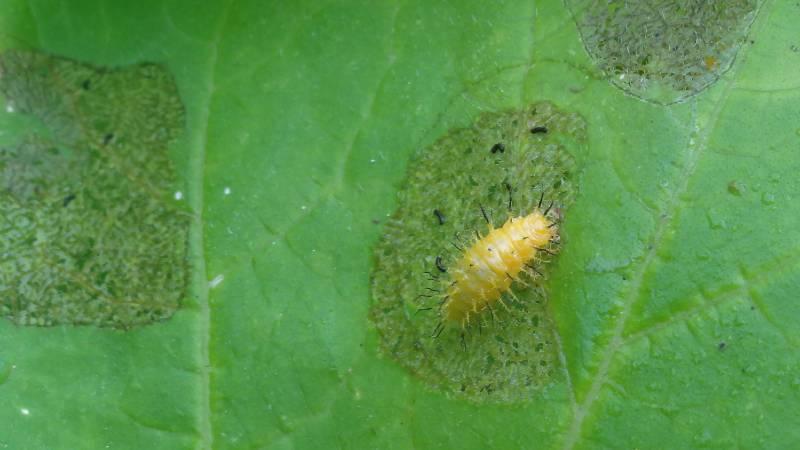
674,296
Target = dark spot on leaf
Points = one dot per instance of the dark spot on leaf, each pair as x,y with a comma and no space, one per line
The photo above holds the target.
439,216
440,264
68,199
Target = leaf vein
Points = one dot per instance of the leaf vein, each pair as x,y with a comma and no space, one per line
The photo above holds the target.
696,147
199,286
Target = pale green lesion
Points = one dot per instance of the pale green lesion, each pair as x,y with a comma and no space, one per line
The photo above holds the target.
89,230
663,50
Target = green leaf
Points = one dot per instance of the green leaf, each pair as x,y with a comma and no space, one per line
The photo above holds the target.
673,296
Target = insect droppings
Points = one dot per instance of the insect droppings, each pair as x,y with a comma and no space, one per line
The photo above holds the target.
68,199
439,216
440,264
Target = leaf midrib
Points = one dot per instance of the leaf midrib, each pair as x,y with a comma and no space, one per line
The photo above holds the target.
199,285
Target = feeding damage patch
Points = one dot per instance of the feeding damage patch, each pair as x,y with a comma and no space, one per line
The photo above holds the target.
89,232
662,50
515,164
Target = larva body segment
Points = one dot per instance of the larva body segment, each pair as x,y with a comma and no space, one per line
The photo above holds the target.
487,269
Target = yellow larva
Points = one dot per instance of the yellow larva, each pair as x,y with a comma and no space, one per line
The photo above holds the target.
487,269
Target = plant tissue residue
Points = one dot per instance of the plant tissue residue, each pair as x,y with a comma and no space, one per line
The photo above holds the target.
90,233
663,50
